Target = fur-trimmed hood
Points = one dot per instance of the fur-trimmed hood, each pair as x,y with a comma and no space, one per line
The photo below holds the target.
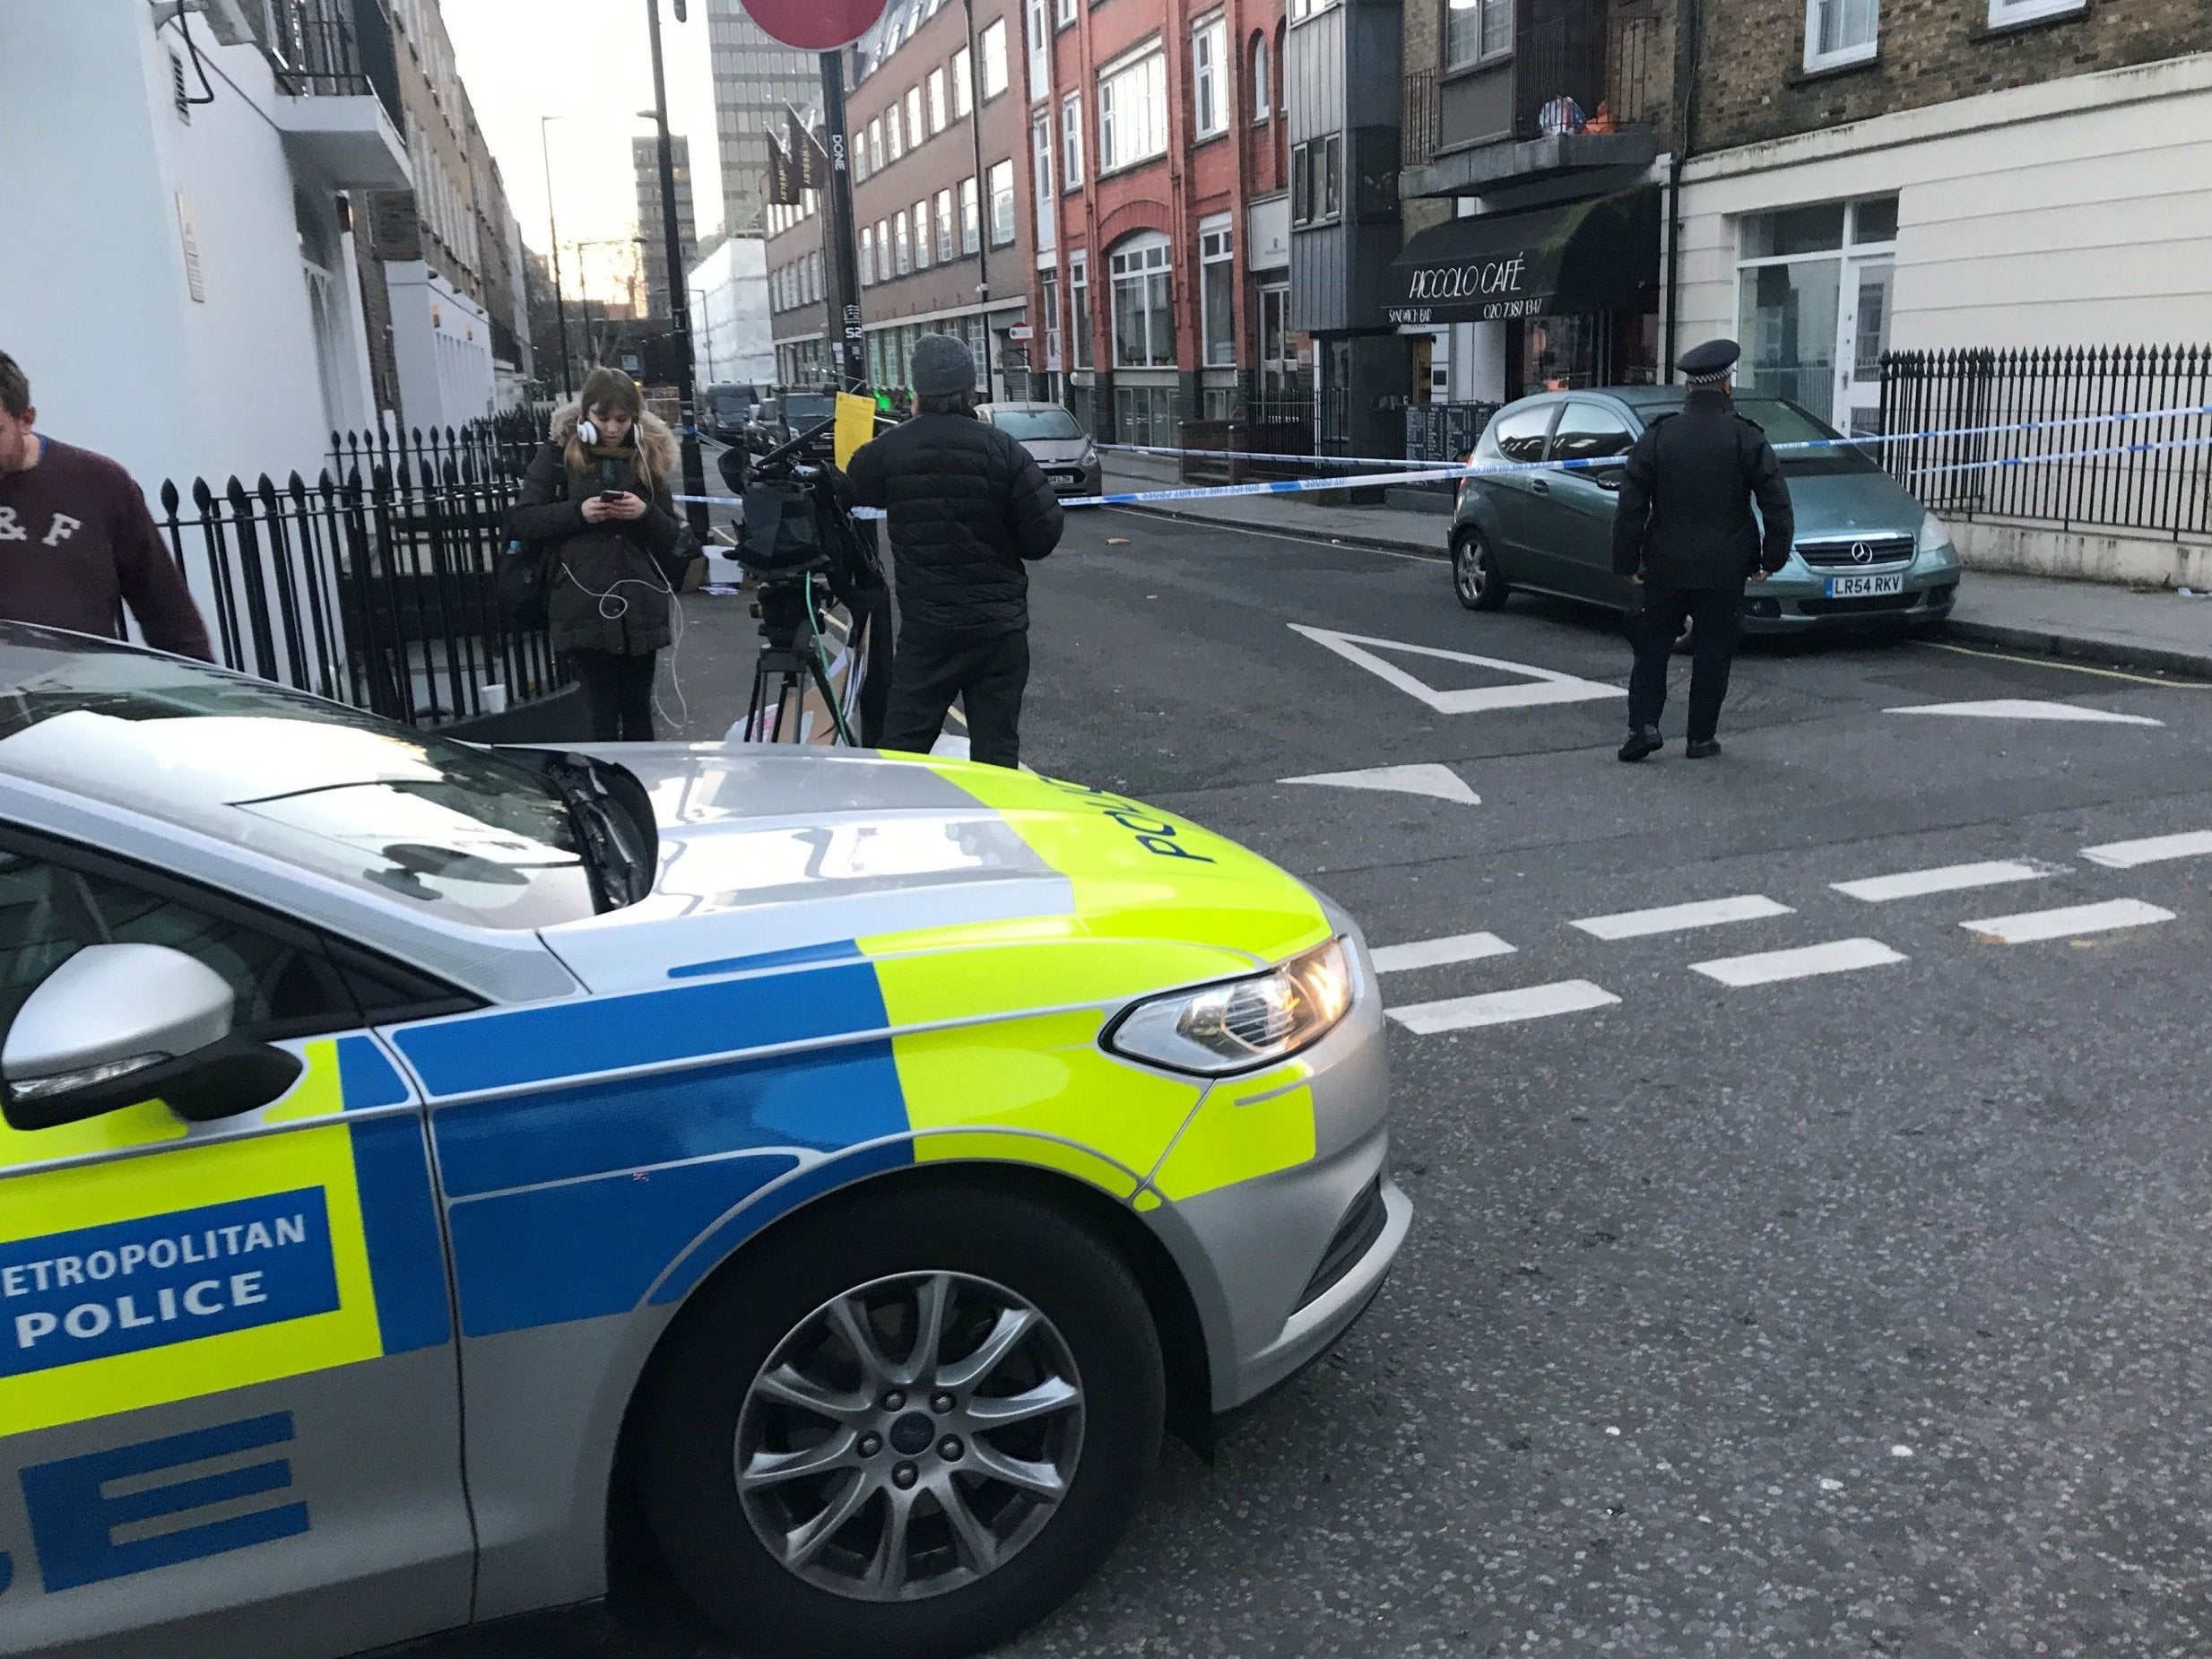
656,440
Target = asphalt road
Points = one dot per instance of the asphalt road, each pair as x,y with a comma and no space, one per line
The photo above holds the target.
1861,1313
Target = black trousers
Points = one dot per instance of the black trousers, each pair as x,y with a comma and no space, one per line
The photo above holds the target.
1653,631
617,694
988,673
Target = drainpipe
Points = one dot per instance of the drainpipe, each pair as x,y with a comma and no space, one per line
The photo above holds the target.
1689,43
983,185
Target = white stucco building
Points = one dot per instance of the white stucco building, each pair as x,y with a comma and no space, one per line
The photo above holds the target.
179,280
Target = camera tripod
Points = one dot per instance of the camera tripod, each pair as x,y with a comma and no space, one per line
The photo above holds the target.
788,665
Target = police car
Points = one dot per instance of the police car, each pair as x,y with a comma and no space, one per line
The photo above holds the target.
422,1163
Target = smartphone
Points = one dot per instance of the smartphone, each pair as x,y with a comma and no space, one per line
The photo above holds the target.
609,495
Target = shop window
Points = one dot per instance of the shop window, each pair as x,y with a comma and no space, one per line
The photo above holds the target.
1840,31
1144,321
1813,287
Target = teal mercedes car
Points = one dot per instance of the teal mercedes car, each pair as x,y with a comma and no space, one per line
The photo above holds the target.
1865,550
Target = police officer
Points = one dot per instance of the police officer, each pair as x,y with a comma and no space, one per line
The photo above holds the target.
1683,529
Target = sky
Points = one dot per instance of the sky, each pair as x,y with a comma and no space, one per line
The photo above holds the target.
588,61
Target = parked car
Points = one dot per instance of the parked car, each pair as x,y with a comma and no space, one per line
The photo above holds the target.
1865,548
725,409
1050,433
425,1168
787,415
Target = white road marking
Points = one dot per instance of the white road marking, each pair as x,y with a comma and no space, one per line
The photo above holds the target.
2068,923
1675,918
1841,956
2025,709
1943,879
1541,686
2154,849
1535,1002
1439,782
1399,958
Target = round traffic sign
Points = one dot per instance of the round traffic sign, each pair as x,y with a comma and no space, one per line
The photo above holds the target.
814,25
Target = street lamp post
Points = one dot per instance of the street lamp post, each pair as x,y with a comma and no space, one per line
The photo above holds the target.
678,302
560,306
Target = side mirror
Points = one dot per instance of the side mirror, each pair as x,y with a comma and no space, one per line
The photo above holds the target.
118,1024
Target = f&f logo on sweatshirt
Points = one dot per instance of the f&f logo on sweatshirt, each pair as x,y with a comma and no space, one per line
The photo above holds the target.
59,530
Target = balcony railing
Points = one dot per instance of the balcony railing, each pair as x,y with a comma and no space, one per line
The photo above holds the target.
1575,74
311,46
1421,125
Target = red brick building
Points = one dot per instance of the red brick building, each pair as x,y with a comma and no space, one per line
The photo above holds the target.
1155,185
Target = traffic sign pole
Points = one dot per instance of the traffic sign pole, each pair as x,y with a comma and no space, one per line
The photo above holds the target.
679,295
840,241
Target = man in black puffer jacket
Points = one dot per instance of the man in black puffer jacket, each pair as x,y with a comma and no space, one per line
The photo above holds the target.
967,509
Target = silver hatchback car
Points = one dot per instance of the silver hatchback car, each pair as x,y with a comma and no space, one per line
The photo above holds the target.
1865,550
1056,438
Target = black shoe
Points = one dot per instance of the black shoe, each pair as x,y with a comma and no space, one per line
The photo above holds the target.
1643,740
1701,749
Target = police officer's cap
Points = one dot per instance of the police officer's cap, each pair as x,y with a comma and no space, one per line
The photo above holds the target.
1708,364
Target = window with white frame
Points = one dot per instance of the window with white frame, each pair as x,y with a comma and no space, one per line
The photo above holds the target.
2004,13
1001,203
963,83
1210,92
944,226
1263,92
902,249
920,235
994,58
971,217
1133,111
1476,31
1048,295
1144,319
894,139
1813,286
1047,230
1072,140
1840,31
1216,290
915,134
1040,35
1316,187
867,257
1079,306
875,145
1065,12
937,103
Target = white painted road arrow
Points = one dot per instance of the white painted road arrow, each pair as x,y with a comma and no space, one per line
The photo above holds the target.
1543,685
1427,778
2025,709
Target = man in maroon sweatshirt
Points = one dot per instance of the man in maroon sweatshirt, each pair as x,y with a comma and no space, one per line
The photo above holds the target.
76,541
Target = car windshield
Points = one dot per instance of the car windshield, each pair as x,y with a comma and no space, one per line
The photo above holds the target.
1045,424
732,406
1784,422
805,411
453,830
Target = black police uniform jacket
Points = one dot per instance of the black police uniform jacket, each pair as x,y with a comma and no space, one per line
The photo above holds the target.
1684,516
967,507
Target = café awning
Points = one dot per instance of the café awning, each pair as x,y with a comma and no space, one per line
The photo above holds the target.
1586,256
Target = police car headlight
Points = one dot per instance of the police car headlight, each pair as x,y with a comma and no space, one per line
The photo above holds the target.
1934,539
1240,1023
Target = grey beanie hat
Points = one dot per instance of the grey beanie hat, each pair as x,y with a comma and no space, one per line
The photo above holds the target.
941,367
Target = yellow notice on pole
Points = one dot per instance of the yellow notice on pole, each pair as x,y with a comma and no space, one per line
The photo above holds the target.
857,424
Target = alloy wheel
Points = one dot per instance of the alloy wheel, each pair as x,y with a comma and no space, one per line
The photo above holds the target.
909,1437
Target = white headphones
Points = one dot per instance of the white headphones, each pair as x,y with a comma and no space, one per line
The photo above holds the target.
587,431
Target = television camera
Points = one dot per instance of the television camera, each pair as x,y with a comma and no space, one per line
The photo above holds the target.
805,552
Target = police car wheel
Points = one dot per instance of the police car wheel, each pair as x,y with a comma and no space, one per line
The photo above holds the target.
909,1428
1474,572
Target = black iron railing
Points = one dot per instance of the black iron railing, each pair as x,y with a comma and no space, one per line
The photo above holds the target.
2158,477
312,47
373,584
1421,125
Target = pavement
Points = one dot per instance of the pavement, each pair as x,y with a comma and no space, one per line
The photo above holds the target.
1808,1145
2156,630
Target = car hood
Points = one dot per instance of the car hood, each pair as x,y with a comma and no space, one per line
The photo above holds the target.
774,855
1056,451
1832,505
